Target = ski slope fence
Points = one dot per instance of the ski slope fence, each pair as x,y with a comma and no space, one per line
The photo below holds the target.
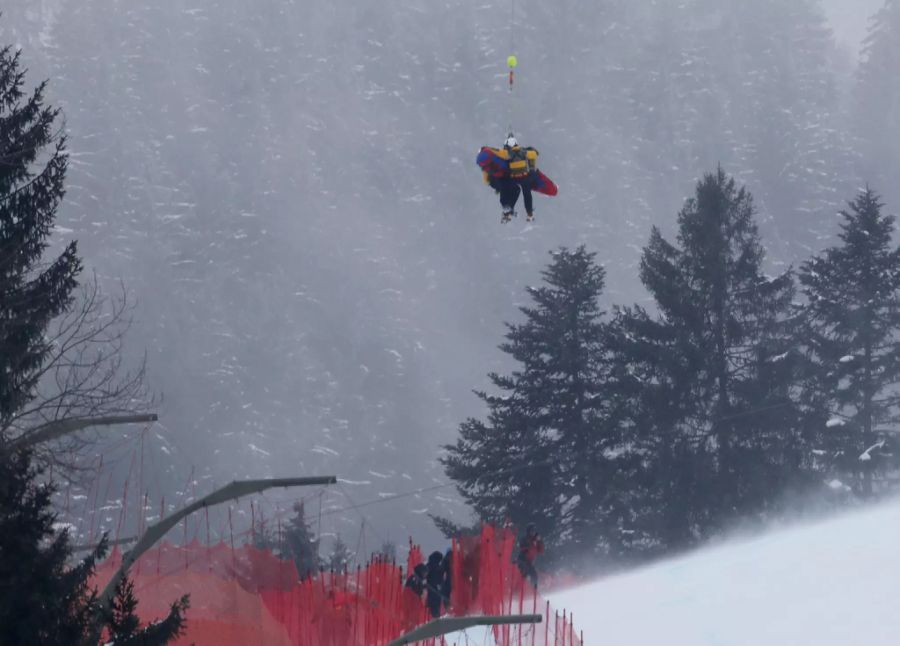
244,595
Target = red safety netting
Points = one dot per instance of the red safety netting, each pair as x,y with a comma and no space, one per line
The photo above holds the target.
245,595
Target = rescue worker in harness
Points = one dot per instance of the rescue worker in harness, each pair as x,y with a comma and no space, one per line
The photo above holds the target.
512,170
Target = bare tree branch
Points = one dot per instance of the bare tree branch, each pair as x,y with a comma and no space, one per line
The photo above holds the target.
86,380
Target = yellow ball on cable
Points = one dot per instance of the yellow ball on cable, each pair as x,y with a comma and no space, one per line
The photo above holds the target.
512,61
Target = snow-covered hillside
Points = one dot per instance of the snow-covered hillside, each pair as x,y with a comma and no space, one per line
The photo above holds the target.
831,582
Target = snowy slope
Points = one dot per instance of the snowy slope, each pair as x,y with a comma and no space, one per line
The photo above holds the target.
833,582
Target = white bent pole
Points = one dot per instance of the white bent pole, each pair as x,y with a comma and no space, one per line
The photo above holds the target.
446,625
232,491
55,430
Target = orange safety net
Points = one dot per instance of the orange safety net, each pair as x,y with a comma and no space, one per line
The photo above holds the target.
246,595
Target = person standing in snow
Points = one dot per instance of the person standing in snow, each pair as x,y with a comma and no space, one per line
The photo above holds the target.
416,580
434,582
447,583
530,546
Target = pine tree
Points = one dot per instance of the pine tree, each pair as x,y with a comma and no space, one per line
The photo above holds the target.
548,452
264,537
785,88
451,530
749,84
340,557
852,319
715,367
387,552
784,96
41,600
32,291
877,95
299,544
124,625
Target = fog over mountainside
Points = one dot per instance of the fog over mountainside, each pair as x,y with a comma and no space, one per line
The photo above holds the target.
849,20
287,190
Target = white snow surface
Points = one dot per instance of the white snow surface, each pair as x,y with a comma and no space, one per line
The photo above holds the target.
832,582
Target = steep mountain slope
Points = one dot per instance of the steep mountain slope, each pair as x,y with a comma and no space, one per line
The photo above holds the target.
828,582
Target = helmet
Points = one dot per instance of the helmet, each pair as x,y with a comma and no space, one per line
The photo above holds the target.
510,142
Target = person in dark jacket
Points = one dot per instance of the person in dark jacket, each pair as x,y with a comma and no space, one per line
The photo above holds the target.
434,580
530,547
447,583
416,580
412,610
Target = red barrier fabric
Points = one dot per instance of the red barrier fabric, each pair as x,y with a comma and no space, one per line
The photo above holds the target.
245,595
